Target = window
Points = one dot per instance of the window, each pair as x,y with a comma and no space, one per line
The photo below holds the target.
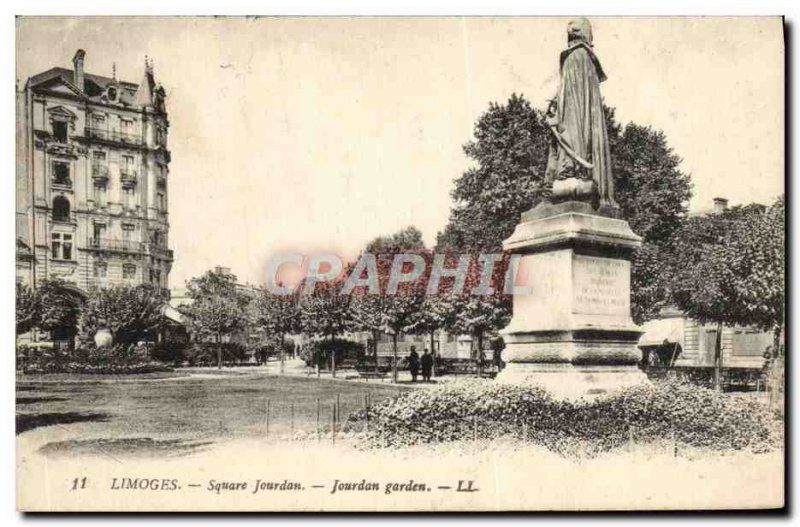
126,125
127,164
111,93
100,269
60,208
98,156
98,232
161,136
100,192
750,343
155,277
127,228
61,246
60,131
61,173
98,121
128,271
162,201
129,197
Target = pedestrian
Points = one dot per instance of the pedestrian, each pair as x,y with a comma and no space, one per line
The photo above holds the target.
413,363
427,365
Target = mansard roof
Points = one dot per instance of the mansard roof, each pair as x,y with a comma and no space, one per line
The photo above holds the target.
94,86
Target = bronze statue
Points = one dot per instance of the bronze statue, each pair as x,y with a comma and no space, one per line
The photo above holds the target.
579,154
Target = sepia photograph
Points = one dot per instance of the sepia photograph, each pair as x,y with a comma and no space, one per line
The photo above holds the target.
400,264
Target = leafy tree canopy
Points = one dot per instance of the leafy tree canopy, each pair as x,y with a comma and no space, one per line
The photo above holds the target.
509,156
128,312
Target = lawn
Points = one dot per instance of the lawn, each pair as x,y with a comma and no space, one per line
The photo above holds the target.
146,412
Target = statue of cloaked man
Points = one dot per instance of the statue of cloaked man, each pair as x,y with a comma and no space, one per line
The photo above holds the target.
579,139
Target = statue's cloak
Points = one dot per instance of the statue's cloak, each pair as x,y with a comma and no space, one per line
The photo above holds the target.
581,120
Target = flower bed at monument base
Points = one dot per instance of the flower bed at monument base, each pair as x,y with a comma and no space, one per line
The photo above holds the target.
478,410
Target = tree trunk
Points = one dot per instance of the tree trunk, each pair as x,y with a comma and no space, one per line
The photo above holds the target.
718,359
433,353
333,363
776,341
375,348
394,356
219,351
283,358
480,353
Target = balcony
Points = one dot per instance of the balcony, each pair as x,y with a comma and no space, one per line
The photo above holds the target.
114,136
128,177
100,172
114,245
161,252
61,183
64,217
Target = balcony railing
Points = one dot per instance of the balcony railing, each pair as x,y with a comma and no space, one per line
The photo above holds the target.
64,217
128,177
159,251
114,136
99,171
109,244
62,182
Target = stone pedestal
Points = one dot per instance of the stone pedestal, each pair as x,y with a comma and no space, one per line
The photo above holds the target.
572,333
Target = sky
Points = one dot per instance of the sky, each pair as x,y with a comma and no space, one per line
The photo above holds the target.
304,134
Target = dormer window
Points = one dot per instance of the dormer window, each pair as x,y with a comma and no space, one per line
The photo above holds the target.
111,93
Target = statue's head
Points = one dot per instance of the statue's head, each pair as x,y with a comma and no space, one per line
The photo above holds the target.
579,29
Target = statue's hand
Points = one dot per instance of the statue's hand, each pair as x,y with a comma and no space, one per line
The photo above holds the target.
551,117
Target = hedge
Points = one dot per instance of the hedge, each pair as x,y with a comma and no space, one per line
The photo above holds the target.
477,409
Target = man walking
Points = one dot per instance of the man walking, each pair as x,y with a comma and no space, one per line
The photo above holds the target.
427,366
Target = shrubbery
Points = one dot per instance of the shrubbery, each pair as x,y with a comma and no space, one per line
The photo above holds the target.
485,410
88,359
205,353
321,351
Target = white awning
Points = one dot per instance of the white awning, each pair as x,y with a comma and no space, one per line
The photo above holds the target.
662,331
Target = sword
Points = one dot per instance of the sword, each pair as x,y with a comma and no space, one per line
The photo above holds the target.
568,149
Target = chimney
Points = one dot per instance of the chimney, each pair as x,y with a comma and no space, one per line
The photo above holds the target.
77,64
720,205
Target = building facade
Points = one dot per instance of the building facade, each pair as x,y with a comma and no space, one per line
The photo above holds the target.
92,179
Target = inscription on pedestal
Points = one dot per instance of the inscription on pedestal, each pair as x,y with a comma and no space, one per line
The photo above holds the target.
601,286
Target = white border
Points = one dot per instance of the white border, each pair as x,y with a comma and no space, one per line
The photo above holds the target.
302,8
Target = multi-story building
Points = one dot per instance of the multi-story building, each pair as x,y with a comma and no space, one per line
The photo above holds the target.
92,179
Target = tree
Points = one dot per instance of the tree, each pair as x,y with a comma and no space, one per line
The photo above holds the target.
432,316
59,306
402,309
325,313
217,282
129,313
368,313
277,315
728,269
28,308
404,240
760,264
653,195
216,316
476,316
510,155
219,306
394,312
